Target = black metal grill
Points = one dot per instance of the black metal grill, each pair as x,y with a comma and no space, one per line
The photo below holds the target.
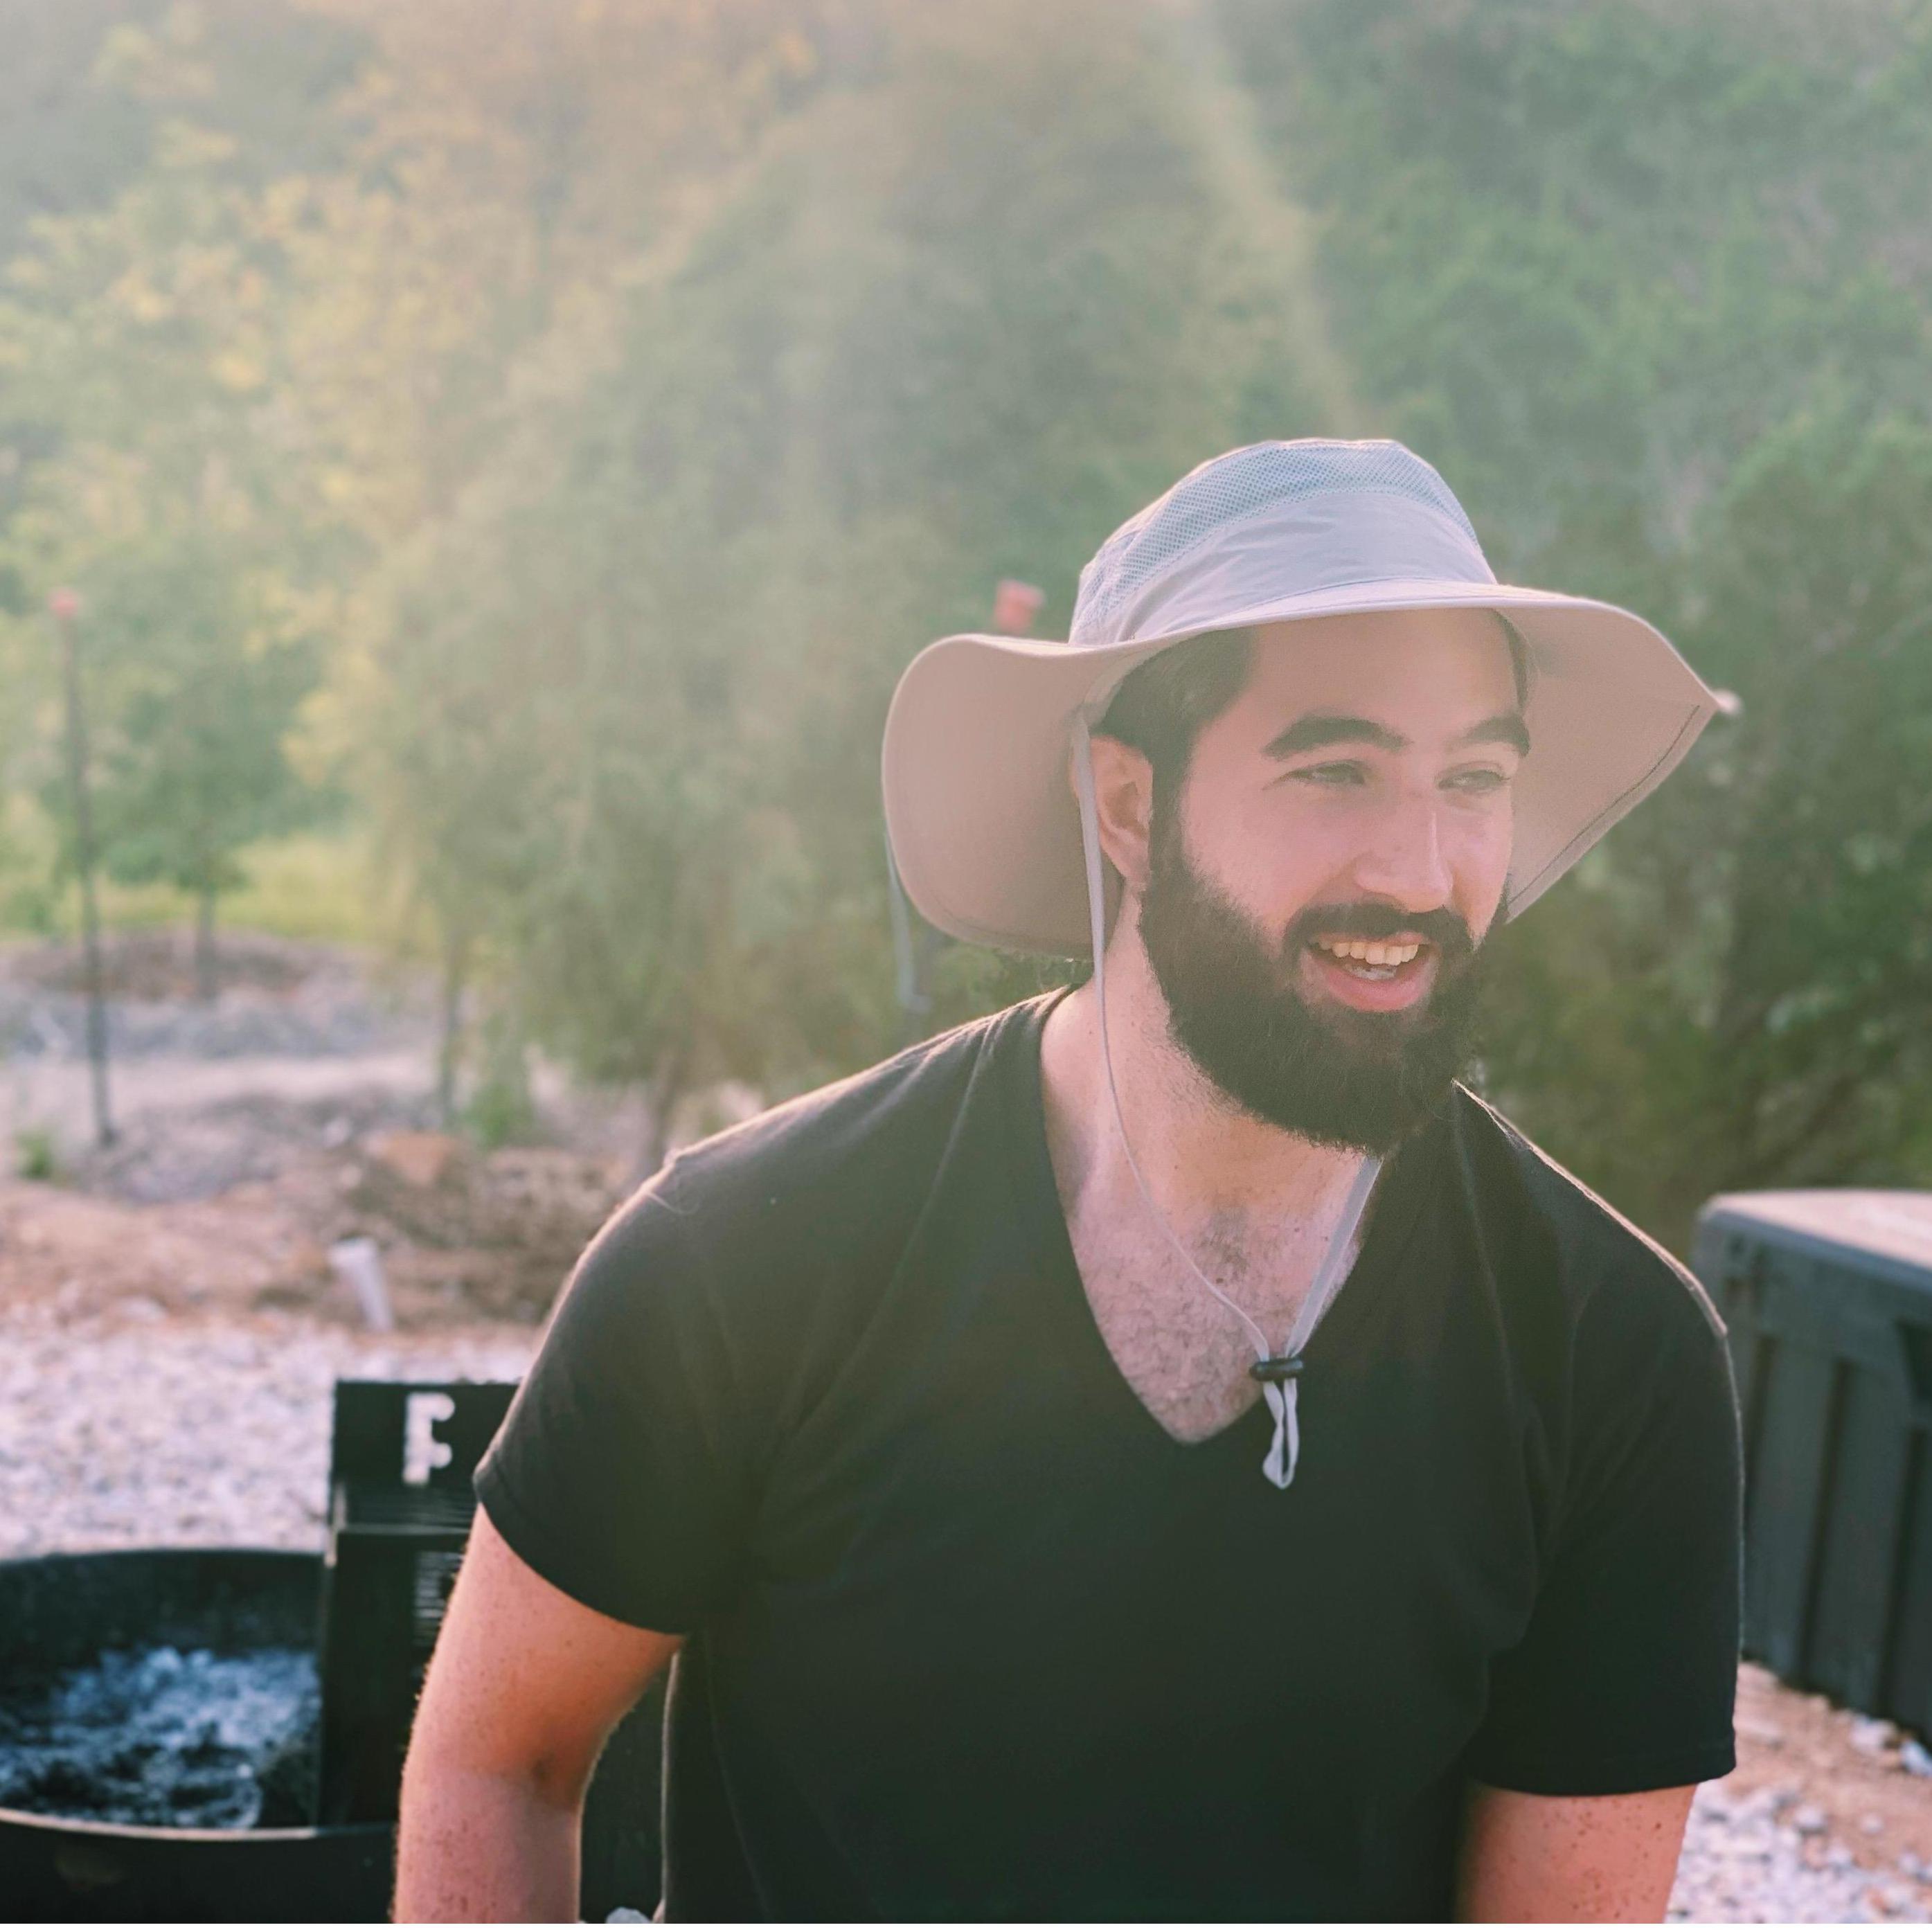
400,1503
401,1507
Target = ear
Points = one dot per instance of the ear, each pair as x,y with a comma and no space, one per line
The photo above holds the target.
1123,805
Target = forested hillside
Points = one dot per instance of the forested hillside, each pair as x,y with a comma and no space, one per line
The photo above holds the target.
539,436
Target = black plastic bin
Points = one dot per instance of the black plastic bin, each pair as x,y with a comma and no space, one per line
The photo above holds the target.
1828,1296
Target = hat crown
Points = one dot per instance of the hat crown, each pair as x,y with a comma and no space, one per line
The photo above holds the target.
1231,489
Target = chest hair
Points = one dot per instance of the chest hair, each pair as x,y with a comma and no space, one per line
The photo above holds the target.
1185,1356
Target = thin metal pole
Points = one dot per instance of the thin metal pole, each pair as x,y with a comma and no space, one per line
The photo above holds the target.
66,608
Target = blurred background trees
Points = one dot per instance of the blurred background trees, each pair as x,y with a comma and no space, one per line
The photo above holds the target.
538,436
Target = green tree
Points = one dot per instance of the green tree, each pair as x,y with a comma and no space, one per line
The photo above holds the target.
206,664
1737,995
140,342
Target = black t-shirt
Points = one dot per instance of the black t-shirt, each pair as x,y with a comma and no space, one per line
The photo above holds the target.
971,1637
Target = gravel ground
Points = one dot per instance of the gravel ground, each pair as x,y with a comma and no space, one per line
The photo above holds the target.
1764,1857
115,1432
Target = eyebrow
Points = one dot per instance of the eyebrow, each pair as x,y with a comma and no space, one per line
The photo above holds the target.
1506,727
1321,728
1327,728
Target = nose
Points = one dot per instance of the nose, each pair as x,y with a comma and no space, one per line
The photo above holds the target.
1405,861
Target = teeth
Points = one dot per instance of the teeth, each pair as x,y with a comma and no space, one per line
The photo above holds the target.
1372,952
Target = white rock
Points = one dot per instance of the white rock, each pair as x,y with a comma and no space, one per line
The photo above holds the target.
1876,1736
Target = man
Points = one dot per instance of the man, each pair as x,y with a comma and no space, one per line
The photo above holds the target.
1165,1450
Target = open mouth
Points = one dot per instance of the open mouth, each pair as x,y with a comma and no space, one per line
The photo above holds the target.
1373,959
1377,974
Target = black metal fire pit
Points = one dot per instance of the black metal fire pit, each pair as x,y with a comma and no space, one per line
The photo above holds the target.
77,1632
219,1734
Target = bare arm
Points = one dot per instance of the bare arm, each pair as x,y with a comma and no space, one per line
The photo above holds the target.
525,1686
1526,1859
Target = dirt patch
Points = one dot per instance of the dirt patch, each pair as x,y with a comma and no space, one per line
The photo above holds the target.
85,1255
255,1125
475,1234
490,1235
255,1131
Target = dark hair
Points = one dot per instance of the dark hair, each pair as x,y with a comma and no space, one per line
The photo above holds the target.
1163,706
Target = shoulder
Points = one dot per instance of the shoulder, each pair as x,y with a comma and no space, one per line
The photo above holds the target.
821,1186
890,1119
713,1312
1615,1345
1538,1220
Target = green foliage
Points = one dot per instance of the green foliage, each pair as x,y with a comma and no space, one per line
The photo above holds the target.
501,1111
1585,254
624,705
138,342
36,1157
1739,982
86,84
559,436
205,673
1650,285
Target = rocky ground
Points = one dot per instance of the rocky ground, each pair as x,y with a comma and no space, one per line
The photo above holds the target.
118,1432
1827,1820
171,1327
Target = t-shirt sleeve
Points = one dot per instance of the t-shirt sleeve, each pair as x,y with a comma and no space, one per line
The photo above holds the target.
621,1473
1626,1677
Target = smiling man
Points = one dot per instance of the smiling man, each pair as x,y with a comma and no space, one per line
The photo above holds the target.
1167,1449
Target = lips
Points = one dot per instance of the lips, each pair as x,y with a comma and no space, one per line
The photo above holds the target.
1402,976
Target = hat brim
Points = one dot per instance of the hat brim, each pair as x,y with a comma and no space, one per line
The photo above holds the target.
984,828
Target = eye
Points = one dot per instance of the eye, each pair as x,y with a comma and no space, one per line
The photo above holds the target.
1335,777
1479,781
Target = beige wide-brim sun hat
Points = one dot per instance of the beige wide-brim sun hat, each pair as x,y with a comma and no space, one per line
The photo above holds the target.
984,827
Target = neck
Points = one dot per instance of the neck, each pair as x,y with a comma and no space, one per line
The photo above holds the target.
1202,1157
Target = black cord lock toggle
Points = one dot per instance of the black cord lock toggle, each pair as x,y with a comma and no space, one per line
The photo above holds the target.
1276,1368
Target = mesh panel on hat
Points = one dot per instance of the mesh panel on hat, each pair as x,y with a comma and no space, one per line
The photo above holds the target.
1234,486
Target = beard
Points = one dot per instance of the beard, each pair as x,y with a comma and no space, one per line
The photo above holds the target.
1340,1077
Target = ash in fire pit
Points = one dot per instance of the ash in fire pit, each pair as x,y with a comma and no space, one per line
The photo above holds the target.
166,1738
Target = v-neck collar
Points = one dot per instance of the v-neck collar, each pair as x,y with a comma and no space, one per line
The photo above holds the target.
1394,1210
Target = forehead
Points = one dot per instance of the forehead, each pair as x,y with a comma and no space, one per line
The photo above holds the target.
1419,671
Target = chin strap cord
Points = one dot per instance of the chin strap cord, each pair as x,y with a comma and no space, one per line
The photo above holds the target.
1278,1375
